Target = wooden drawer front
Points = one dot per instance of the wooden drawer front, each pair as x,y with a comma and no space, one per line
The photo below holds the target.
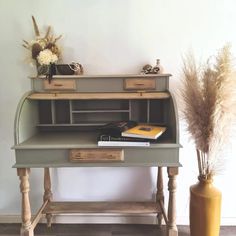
96,155
59,84
136,84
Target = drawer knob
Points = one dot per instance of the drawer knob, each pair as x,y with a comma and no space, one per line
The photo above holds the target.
58,85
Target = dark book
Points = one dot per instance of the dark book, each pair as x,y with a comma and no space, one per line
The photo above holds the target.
117,127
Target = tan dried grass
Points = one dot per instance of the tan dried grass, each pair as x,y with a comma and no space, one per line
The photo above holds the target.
209,95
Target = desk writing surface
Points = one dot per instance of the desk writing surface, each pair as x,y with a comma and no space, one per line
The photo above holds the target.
51,149
61,140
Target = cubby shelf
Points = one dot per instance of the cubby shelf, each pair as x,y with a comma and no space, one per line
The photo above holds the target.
99,111
92,112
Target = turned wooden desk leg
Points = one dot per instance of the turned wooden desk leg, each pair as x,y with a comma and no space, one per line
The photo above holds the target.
47,193
160,195
26,229
171,226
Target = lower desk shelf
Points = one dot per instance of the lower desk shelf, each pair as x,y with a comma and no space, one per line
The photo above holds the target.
101,207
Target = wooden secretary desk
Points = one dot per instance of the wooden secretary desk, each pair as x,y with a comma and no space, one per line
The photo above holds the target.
56,126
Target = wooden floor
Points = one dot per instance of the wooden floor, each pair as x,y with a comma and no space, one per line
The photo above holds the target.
101,230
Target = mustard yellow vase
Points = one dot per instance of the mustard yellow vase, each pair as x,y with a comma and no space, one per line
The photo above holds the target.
205,209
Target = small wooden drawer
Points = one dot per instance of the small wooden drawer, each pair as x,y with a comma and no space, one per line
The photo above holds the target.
96,155
59,84
137,84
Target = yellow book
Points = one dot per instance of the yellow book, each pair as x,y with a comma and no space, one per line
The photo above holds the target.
144,131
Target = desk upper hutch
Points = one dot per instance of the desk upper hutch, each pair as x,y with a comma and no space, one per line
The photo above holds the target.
56,126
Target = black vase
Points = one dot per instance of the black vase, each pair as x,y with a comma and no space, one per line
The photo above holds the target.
51,71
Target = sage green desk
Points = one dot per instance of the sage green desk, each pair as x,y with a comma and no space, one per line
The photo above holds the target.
56,126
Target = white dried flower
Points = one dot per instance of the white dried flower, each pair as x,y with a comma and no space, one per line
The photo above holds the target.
46,57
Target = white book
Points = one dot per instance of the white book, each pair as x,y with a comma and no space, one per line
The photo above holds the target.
123,144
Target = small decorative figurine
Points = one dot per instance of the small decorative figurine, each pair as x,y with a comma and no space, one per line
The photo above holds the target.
157,69
77,68
147,69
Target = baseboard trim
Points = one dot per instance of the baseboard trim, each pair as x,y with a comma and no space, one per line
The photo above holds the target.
109,219
225,221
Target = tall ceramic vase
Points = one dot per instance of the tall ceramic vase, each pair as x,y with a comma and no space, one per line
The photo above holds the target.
205,209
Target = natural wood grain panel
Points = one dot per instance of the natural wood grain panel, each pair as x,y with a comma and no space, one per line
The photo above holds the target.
98,96
38,215
59,84
23,174
96,155
102,207
137,84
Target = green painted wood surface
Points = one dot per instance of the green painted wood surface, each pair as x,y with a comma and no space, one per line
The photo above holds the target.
103,84
61,140
133,157
52,149
37,147
26,119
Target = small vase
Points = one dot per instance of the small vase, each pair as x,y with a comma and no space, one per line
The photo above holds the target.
205,209
157,69
42,69
48,70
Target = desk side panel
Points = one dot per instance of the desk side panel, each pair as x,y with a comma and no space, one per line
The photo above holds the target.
26,119
172,118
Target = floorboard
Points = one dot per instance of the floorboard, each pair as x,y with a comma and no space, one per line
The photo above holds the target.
102,230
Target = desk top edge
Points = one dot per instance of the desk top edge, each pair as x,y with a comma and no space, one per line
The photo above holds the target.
121,76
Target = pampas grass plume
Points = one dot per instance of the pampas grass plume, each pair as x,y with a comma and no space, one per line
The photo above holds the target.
209,95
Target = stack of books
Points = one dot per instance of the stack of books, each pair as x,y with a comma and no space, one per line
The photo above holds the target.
130,134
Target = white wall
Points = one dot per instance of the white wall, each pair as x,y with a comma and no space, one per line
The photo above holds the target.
107,37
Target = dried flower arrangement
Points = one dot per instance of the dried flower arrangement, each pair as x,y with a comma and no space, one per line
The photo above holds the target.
209,95
44,50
